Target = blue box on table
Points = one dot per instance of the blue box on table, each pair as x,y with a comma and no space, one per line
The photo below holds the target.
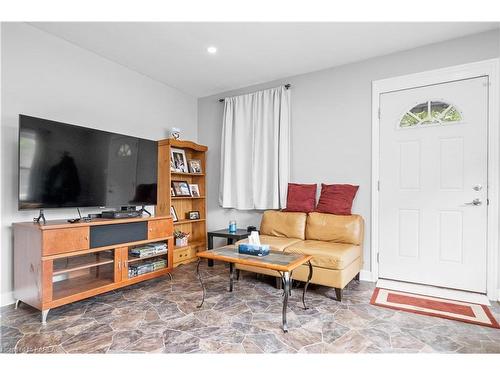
251,249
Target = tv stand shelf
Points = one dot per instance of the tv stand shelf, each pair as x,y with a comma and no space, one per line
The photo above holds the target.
80,284
55,264
81,263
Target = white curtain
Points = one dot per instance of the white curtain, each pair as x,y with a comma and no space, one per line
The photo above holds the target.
255,150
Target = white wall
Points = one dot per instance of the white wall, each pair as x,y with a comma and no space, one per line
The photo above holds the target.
331,121
48,77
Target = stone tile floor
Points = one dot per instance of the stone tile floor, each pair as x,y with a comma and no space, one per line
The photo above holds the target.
160,316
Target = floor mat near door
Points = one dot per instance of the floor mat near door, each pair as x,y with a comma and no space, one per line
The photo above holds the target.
443,308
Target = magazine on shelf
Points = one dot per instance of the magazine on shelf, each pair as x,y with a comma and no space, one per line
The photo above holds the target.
157,248
141,269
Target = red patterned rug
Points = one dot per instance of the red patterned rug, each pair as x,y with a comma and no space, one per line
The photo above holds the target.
432,306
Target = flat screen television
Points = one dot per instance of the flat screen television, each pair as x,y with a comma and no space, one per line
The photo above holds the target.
63,165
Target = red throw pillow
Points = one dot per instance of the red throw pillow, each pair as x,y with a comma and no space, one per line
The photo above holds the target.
336,199
301,198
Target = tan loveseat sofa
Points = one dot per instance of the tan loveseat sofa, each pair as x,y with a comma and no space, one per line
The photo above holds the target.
334,241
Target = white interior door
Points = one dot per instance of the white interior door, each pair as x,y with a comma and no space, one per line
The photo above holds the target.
433,184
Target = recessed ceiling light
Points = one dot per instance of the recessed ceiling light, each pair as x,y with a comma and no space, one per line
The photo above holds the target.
212,50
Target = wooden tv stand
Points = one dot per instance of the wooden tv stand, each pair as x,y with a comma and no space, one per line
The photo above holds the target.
59,263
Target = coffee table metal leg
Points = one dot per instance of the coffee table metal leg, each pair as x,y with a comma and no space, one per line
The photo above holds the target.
231,276
201,282
210,246
309,277
286,287
291,283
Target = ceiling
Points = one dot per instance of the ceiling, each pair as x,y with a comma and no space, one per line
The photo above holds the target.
247,53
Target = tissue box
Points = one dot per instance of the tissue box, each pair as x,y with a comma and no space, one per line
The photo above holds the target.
250,249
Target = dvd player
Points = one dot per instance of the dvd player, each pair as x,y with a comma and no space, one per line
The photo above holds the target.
120,214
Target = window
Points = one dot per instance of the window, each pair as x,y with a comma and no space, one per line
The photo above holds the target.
430,113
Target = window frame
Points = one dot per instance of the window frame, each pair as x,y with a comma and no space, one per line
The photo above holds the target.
421,124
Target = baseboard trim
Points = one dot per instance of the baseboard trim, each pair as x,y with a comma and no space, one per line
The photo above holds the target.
434,291
365,275
7,299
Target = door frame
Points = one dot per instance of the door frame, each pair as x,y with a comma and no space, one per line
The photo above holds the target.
489,68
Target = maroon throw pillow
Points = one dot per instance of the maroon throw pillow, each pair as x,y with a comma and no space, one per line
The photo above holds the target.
301,198
336,199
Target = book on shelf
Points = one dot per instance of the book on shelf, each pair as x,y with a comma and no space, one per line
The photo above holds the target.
161,246
141,269
156,248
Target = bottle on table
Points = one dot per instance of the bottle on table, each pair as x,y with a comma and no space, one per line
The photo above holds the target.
232,226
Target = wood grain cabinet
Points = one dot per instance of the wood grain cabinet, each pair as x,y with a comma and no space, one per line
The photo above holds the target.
58,263
57,241
158,228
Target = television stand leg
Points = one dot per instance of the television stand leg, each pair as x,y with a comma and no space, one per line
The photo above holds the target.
44,316
41,216
143,210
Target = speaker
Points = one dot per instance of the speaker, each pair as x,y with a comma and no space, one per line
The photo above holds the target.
113,234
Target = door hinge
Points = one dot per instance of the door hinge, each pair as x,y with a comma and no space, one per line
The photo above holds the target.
379,113
378,257
487,201
378,185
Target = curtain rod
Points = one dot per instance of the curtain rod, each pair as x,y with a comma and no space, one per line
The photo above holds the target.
287,86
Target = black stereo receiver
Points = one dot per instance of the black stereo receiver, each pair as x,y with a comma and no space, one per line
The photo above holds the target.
120,214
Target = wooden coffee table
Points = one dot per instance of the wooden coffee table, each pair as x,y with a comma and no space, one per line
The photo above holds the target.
284,263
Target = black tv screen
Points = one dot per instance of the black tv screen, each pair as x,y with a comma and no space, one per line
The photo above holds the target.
62,165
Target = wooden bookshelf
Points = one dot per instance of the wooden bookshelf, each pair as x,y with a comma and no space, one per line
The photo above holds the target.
178,198
186,221
191,244
197,228
187,174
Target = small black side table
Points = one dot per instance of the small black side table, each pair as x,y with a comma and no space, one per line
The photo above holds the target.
224,233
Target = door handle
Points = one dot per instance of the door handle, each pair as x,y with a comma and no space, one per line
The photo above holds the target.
475,202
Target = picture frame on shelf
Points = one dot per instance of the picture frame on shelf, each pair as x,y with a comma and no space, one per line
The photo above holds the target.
181,188
173,213
195,166
195,190
172,164
193,215
178,161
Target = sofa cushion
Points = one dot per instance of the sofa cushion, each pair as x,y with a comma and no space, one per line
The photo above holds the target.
275,243
335,228
284,224
301,198
336,199
335,256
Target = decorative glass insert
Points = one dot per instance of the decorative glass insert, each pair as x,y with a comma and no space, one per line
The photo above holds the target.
430,113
